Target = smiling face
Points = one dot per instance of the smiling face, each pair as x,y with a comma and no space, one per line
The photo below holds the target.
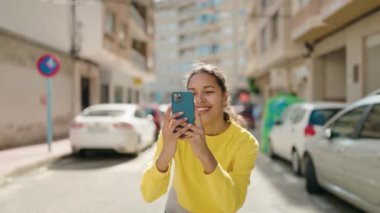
209,97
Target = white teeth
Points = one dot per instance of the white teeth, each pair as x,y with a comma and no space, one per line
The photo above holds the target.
203,109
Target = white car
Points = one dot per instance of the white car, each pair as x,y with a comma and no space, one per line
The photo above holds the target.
124,128
299,122
345,157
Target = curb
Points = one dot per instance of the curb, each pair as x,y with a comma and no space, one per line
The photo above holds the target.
27,168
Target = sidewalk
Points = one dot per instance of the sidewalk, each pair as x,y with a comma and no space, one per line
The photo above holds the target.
23,159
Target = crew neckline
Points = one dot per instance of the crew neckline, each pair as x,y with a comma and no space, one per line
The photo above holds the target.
228,129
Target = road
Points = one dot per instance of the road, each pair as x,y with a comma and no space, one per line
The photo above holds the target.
106,182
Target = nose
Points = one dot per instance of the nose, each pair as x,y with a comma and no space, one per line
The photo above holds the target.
199,98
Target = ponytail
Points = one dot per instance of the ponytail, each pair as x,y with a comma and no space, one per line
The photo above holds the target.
229,115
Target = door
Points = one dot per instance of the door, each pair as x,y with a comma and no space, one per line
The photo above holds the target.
363,160
281,134
299,122
85,92
330,154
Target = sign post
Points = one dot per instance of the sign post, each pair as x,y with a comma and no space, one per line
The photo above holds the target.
48,66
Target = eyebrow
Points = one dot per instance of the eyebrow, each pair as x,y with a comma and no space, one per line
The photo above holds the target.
205,87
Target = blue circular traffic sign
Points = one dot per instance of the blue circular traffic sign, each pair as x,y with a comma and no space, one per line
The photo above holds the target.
48,65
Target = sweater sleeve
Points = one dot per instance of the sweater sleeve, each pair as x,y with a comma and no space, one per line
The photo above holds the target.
153,182
230,188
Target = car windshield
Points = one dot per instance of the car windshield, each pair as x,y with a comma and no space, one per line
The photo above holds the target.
103,113
321,116
149,111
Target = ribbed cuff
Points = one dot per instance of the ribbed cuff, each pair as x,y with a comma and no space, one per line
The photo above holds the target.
156,174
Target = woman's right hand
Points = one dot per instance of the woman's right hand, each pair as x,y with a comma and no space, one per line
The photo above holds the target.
171,132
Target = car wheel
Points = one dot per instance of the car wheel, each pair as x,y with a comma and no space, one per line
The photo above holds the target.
81,153
312,185
296,168
272,154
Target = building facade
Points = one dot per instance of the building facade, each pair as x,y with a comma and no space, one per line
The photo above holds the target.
106,53
274,59
189,31
343,39
329,50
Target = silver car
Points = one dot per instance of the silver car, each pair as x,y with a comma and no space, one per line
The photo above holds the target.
300,122
345,158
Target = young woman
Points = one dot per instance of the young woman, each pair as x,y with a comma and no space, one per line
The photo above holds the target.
213,162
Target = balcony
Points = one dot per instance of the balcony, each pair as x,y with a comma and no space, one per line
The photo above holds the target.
138,19
306,23
139,60
322,17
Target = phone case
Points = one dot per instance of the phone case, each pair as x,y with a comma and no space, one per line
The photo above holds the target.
183,102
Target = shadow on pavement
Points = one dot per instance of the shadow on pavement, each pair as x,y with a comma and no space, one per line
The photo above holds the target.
279,173
93,159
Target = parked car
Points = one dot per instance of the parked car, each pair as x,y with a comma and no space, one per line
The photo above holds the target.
246,111
154,110
124,128
299,122
345,158
375,92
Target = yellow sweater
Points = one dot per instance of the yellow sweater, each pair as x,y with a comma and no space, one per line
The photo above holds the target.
224,190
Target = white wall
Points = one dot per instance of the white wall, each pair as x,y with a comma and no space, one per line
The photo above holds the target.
23,91
42,22
372,64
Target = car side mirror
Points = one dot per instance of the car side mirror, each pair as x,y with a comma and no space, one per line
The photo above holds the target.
327,133
278,123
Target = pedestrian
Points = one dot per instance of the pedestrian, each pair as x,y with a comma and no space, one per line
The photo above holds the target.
213,162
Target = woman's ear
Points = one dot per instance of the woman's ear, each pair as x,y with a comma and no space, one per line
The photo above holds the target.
225,99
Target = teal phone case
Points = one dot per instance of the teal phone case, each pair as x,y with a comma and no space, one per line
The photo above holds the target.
183,102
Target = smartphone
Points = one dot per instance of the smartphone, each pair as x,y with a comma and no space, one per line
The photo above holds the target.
184,102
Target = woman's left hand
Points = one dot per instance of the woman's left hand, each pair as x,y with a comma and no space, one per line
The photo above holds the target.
197,139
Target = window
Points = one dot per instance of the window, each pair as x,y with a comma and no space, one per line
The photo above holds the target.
303,2
104,90
110,22
321,116
140,113
129,100
263,4
264,39
346,124
118,95
122,33
286,115
274,25
137,96
103,113
297,115
214,48
371,128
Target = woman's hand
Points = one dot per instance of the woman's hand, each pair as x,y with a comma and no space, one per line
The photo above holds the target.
171,131
196,137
